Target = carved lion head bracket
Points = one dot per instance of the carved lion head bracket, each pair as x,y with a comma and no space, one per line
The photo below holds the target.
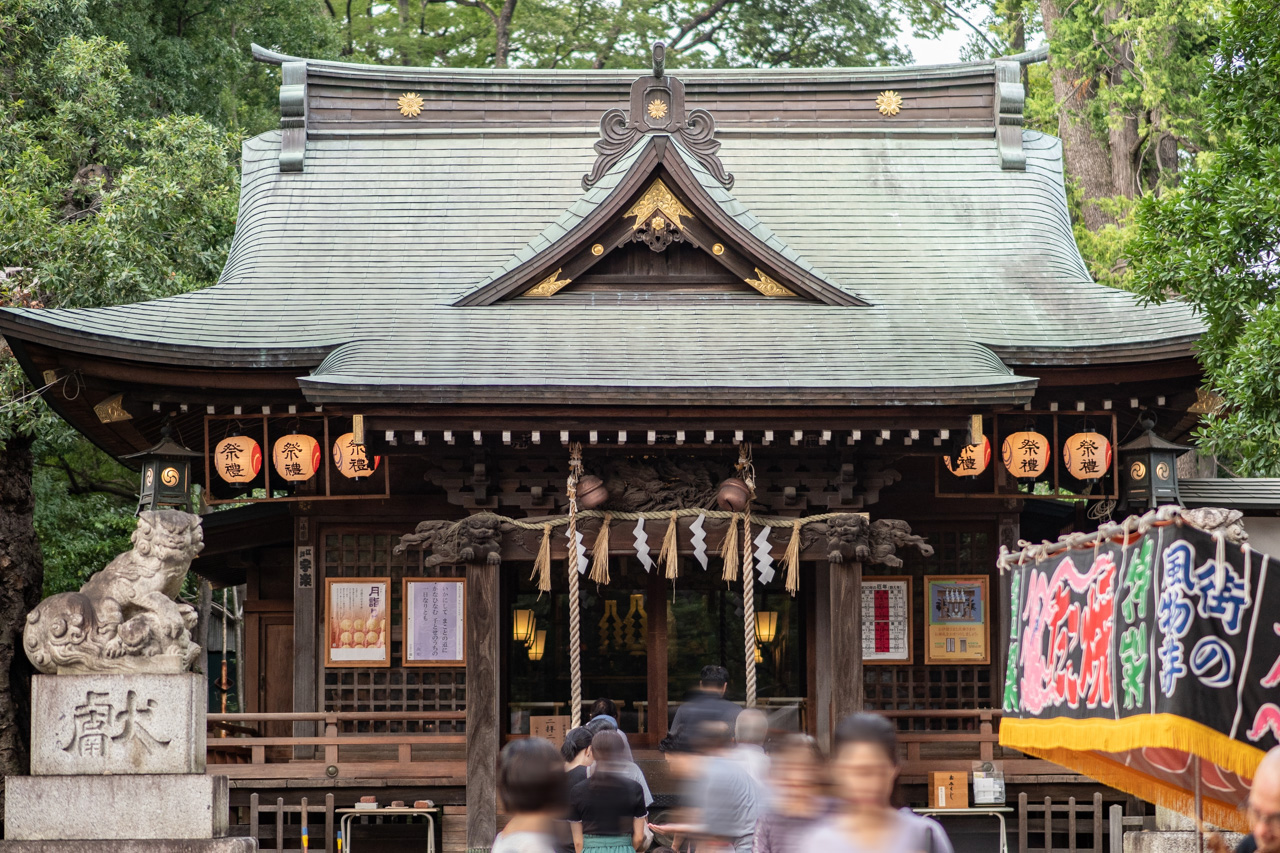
657,106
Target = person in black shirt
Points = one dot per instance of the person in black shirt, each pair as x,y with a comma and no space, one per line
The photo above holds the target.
707,705
607,810
576,752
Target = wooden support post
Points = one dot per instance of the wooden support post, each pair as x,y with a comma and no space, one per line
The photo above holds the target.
656,724
482,706
838,645
306,637
1009,531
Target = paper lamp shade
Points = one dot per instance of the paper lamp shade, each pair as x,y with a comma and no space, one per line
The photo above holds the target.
296,457
237,459
1087,455
350,458
1025,454
538,645
523,625
971,461
766,625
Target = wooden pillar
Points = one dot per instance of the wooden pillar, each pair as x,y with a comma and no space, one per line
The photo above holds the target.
306,637
838,651
1009,533
656,718
482,705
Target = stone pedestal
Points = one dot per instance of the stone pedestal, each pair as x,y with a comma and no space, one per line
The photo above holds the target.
117,763
47,808
117,724
1170,841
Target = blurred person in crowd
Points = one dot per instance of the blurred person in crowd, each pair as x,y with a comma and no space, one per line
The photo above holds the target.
576,752
629,767
604,707
864,772
532,789
1264,808
799,799
723,801
706,704
751,731
607,810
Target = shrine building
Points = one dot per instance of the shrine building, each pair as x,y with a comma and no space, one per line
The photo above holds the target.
836,316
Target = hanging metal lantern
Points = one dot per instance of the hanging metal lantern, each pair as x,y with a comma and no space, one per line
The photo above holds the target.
523,625
237,459
538,646
1087,455
1025,454
296,457
766,625
350,458
971,461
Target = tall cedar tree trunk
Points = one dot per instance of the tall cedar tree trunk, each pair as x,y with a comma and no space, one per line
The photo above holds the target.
1086,156
21,579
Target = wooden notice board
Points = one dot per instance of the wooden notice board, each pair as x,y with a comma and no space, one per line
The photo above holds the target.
435,621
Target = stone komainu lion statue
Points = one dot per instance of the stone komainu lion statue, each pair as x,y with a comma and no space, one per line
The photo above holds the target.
475,539
125,619
890,534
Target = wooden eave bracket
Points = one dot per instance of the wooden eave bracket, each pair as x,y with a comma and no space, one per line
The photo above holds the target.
1009,101
707,227
293,115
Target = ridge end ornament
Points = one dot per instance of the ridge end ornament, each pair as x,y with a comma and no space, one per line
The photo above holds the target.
549,286
767,285
656,106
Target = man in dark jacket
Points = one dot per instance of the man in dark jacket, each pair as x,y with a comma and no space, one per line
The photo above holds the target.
707,705
1264,807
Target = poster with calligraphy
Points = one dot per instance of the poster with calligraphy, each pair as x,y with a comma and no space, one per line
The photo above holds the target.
957,627
886,619
435,621
1147,659
357,630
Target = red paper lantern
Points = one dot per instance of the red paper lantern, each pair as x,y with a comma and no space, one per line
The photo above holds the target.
1087,455
1025,454
237,459
296,457
350,458
971,461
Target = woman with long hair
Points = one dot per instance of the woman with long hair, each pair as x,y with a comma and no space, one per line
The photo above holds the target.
800,799
607,811
864,773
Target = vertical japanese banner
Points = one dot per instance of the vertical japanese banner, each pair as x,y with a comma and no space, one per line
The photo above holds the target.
1152,650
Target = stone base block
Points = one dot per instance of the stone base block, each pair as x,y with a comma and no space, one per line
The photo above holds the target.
1179,841
166,845
55,808
117,723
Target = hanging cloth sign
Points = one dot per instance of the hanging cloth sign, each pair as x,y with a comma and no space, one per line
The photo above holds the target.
1160,654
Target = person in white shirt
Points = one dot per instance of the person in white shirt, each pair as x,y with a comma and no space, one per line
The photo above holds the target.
751,730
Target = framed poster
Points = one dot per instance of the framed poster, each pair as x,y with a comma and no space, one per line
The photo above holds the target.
956,618
435,621
886,619
357,631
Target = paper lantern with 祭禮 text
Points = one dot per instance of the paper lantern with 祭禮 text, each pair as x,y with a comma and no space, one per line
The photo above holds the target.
296,457
350,458
1087,455
1025,454
972,460
237,459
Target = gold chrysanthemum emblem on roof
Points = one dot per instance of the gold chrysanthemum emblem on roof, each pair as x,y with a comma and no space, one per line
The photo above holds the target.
410,104
657,108
889,103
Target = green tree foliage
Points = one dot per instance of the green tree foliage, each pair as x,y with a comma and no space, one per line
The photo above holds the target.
1212,241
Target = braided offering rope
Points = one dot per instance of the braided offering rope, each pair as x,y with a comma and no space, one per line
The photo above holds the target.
748,474
575,618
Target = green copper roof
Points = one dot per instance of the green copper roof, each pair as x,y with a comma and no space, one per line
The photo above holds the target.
354,265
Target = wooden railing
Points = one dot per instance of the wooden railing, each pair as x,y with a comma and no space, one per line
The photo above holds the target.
969,735
243,753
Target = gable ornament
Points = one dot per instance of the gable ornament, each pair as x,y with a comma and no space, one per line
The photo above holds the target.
657,106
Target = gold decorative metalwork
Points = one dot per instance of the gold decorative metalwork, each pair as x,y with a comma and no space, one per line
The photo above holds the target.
657,199
169,476
112,409
1206,402
1162,470
1137,470
889,103
549,286
767,285
410,104
658,223
657,108
717,249
597,250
